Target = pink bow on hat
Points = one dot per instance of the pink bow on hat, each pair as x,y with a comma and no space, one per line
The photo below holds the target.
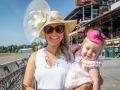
96,36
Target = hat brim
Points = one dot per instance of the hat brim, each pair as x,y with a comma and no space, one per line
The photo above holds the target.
69,25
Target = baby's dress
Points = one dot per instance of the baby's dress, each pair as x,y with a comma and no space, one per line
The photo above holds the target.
50,78
78,73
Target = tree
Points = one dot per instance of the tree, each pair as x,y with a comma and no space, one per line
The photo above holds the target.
9,49
15,48
41,43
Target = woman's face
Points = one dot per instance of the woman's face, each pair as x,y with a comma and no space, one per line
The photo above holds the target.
54,33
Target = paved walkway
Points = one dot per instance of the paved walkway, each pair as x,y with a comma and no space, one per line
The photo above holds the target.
110,72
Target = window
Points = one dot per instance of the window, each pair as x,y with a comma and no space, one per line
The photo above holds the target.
95,11
95,15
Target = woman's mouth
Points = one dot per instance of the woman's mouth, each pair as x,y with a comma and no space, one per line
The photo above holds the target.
54,38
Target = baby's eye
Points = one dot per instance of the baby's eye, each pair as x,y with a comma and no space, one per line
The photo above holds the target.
87,48
94,51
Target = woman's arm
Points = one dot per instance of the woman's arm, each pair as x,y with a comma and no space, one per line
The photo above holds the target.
29,72
95,75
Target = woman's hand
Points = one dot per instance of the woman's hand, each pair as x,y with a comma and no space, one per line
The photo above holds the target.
74,48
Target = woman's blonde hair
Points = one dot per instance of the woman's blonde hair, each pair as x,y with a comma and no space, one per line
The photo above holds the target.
64,47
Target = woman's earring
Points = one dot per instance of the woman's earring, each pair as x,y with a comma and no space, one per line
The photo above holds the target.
63,41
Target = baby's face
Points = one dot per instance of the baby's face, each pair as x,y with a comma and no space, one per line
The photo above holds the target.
90,50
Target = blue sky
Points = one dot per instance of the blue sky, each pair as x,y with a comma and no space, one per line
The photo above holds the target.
12,14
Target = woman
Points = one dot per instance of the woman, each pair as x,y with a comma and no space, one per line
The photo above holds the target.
49,65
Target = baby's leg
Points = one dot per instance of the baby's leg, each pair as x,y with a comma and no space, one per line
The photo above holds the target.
85,86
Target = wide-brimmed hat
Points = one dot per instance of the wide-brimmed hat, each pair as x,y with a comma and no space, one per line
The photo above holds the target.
56,17
38,15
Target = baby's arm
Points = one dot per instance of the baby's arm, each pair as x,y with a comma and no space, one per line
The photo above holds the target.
95,76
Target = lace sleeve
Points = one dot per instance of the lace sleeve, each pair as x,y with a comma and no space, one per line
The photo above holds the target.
96,63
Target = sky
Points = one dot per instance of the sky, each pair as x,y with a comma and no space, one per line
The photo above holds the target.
12,17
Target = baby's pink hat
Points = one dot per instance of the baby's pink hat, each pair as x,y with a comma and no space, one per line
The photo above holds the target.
96,36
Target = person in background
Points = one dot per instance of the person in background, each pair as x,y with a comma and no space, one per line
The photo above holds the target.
85,70
103,52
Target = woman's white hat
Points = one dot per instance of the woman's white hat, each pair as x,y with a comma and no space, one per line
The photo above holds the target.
38,15
56,17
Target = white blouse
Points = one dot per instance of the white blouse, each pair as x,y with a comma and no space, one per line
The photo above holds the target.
51,78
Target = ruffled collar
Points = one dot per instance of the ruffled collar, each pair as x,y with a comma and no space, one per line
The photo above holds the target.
86,63
57,62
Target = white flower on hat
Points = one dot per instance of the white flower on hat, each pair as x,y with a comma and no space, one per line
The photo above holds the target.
40,19
34,19
38,15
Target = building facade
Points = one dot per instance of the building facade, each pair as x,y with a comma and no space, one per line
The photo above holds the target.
103,14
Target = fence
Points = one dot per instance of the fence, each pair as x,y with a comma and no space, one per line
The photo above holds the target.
11,74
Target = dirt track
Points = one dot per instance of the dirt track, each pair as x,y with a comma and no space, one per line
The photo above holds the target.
10,57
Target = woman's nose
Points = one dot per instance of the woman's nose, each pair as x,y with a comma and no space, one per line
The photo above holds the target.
54,31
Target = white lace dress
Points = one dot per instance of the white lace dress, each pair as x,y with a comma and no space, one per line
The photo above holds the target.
47,77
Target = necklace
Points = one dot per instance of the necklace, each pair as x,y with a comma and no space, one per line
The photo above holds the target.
51,58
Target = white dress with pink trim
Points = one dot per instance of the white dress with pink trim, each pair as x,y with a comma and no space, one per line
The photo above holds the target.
78,73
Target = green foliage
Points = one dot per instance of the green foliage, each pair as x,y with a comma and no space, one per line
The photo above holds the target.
3,51
15,48
35,48
41,43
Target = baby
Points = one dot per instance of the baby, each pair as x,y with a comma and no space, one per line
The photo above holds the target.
85,70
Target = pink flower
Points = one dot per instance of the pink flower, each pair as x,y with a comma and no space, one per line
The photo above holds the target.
96,36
